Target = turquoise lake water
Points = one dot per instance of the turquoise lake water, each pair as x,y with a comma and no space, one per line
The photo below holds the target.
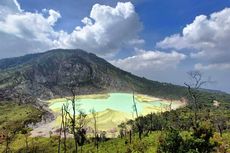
116,101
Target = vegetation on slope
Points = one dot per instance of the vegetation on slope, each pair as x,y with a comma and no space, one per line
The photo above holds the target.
13,119
152,141
14,116
172,131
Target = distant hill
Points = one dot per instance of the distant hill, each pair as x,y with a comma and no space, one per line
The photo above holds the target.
48,75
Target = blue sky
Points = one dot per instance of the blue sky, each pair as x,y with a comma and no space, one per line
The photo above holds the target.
160,18
167,38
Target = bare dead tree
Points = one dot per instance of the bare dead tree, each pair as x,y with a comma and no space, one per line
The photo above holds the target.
130,136
72,117
94,114
60,132
64,127
193,91
138,120
135,106
81,131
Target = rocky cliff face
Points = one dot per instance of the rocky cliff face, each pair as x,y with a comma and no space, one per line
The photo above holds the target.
48,75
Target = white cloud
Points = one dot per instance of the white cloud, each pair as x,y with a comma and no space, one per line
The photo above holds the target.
104,32
86,21
53,17
220,66
25,32
206,37
8,7
155,65
149,60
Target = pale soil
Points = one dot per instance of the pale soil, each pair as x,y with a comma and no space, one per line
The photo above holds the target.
109,119
106,121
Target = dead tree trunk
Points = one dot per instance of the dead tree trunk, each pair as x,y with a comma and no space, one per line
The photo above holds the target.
95,128
72,118
130,136
60,132
193,91
65,129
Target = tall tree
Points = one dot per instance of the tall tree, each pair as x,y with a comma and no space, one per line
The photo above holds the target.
81,131
60,132
193,91
63,128
72,117
94,114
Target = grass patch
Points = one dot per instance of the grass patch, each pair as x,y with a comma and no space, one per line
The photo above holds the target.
14,116
49,145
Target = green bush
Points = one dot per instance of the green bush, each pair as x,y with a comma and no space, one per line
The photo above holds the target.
198,142
172,142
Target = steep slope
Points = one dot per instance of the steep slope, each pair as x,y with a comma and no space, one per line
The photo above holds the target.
49,74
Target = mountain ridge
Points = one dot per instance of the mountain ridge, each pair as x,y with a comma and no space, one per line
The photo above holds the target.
46,75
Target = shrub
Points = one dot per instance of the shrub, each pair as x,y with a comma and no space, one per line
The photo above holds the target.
200,141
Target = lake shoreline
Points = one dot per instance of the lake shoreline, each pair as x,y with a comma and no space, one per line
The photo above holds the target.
109,117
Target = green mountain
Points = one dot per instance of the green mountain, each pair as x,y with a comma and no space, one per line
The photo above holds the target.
50,74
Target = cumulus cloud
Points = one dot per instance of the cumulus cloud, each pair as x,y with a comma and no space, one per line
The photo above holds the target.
150,60
207,38
105,31
155,65
53,17
25,32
